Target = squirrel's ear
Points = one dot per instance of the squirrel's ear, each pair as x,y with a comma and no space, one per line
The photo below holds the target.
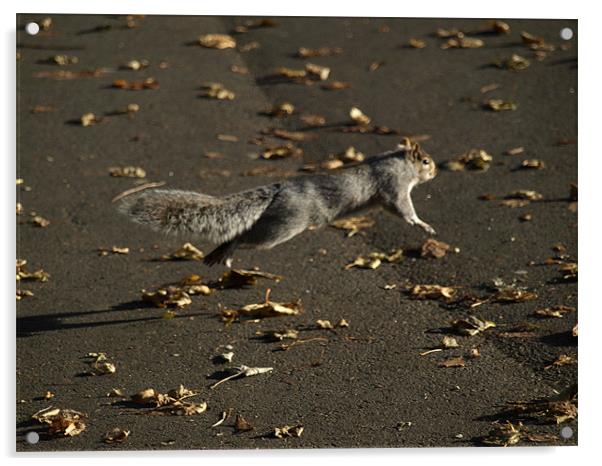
413,151
405,144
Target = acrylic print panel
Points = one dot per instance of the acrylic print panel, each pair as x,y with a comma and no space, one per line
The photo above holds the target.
370,332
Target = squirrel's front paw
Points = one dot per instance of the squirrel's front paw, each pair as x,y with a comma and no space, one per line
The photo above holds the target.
426,227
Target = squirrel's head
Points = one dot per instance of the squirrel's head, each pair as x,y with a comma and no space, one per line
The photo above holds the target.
423,163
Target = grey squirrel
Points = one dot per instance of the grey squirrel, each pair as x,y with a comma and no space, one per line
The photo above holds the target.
266,216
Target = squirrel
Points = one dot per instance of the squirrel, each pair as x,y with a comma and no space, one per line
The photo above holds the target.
266,216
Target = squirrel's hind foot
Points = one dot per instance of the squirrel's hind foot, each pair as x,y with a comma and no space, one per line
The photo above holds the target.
221,255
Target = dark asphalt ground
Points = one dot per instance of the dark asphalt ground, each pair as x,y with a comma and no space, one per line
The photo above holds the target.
354,390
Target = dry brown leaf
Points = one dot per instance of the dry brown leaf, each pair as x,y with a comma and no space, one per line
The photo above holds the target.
42,109
249,46
100,365
453,362
281,152
68,74
23,294
435,249
40,221
289,72
188,252
513,295
19,208
217,91
525,194
242,425
432,292
167,297
503,435
255,24
561,360
281,110
533,164
320,72
335,85
65,422
358,116
305,52
449,342
447,33
553,311
474,159
417,43
500,27
217,41
514,62
354,225
499,105
23,275
462,42
290,135
89,119
261,310
515,203
569,271
324,324
288,334
240,278
288,431
113,250
575,331
472,325
147,83
117,435
128,172
515,151
243,371
489,88
375,259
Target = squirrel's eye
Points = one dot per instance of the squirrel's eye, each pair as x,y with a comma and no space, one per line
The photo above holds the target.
426,161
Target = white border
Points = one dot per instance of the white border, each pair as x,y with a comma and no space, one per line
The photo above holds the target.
589,212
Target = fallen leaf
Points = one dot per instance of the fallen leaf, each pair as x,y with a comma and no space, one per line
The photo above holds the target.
288,431
503,435
575,331
249,46
449,342
240,278
23,275
358,116
417,43
498,105
290,135
375,259
433,248
533,164
65,422
321,72
243,371
188,252
282,151
128,172
514,62
462,42
89,119
217,91
554,311
354,225
472,325
113,250
561,360
261,310
281,110
117,435
335,85
489,88
68,74
432,292
453,362
305,52
217,41
255,24
324,324
40,221
241,424
525,194
147,83
474,159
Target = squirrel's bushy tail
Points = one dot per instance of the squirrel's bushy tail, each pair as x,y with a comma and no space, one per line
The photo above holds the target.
218,219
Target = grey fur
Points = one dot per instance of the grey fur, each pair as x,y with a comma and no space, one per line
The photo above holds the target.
269,215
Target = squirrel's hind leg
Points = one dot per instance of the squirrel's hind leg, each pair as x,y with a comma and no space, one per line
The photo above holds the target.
222,254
